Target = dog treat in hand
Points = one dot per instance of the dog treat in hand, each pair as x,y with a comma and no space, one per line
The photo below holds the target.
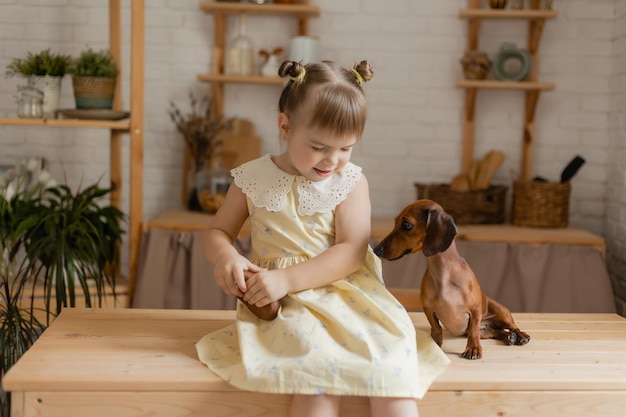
267,312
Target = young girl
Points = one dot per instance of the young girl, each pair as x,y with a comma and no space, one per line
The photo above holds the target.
338,330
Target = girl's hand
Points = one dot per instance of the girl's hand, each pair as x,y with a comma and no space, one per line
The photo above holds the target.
265,287
230,274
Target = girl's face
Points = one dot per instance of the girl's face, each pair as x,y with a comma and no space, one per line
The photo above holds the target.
314,154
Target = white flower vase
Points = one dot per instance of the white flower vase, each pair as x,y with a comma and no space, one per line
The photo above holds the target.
270,68
51,88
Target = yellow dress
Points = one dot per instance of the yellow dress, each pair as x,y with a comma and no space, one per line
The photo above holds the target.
351,337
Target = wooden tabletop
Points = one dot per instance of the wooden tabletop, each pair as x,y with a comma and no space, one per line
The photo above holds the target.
187,221
153,350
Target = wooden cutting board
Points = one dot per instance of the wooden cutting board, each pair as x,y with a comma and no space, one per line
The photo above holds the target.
241,141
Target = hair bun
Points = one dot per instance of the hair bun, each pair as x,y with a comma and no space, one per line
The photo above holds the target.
290,69
364,70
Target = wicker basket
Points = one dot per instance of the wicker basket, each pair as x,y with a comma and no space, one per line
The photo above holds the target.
468,207
540,204
93,92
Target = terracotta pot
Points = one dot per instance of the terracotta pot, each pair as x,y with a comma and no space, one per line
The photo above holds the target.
93,92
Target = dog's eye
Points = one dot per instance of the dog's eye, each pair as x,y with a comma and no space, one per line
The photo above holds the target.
407,226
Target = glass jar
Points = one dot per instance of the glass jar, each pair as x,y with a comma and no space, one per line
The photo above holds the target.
29,102
212,185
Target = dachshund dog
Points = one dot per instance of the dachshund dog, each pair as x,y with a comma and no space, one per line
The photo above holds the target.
450,293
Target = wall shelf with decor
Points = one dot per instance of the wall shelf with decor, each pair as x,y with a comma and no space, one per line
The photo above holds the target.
133,126
300,10
217,77
536,17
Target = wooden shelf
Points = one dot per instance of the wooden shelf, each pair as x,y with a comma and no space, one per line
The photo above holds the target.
301,11
184,221
117,128
251,8
536,17
240,79
526,14
103,124
505,85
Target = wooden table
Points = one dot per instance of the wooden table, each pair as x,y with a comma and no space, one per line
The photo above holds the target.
134,362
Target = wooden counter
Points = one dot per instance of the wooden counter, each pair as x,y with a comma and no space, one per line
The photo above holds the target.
187,221
133,362
526,269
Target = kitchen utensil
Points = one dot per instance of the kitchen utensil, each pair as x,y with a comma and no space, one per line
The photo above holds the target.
572,168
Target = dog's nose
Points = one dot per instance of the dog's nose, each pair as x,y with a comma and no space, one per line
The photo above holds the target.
378,250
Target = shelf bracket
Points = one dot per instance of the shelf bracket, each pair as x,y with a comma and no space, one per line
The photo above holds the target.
473,28
528,142
467,156
303,25
219,44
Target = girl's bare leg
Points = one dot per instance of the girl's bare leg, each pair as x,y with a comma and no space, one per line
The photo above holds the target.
393,407
314,406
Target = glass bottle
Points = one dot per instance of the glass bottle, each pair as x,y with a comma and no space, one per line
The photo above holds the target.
239,60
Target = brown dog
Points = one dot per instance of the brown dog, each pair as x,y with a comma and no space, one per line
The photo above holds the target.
450,292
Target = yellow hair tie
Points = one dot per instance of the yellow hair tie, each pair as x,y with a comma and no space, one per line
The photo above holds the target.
359,79
300,76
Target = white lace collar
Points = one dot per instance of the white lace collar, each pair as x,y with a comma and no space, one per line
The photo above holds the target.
267,186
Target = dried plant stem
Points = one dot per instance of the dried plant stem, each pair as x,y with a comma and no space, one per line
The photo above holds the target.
199,128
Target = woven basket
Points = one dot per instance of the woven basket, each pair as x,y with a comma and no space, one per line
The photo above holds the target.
93,92
540,204
468,207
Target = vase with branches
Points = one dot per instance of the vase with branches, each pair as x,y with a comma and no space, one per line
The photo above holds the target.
200,129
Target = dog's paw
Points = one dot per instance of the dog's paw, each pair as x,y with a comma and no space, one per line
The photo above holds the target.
473,352
521,338
511,338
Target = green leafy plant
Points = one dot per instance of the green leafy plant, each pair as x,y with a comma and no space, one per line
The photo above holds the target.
92,63
42,63
56,240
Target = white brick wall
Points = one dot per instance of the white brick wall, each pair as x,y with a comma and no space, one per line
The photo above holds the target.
414,130
615,193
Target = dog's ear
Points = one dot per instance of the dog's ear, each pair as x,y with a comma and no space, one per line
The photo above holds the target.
440,232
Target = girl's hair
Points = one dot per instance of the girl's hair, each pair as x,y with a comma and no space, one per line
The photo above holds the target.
326,96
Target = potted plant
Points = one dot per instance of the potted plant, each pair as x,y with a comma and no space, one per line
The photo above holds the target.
44,71
94,75
55,240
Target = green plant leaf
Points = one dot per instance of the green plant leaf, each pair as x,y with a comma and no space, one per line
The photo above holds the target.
42,63
92,63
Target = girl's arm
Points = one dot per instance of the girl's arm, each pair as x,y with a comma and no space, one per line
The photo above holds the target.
352,234
229,266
